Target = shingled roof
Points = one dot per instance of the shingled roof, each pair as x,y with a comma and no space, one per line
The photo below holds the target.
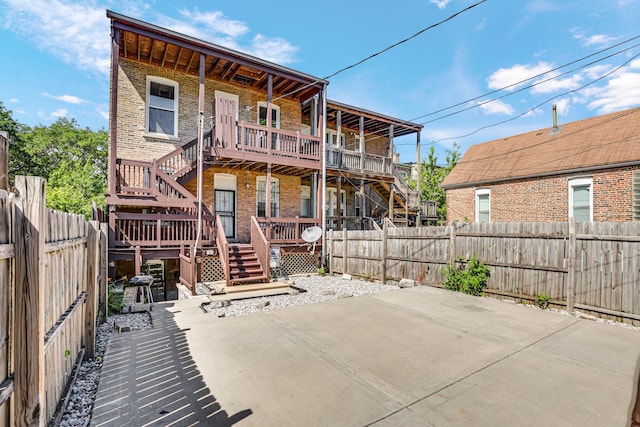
601,142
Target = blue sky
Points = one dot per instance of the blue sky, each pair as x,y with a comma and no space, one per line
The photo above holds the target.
56,57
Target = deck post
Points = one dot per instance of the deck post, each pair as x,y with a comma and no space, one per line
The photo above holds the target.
269,108
267,203
113,116
339,201
91,288
361,138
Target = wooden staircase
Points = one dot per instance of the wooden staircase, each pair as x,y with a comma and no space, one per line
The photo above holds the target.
244,266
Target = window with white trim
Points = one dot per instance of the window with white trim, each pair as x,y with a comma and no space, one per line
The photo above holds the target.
356,200
332,138
636,196
305,201
331,206
261,197
483,205
162,107
581,199
262,115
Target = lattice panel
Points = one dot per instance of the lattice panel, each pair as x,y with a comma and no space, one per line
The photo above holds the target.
299,263
211,269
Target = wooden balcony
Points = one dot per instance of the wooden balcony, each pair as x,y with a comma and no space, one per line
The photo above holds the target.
355,161
255,143
160,230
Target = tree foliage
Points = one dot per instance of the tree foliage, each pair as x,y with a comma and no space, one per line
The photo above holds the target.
72,159
432,175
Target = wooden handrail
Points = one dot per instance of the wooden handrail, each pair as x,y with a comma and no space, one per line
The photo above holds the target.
261,246
223,249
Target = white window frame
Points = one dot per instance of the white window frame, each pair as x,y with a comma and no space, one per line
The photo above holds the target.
482,192
176,86
581,182
305,194
263,178
273,108
332,138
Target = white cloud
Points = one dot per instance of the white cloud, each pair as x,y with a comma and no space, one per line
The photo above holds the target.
510,76
78,33
597,40
481,25
538,6
555,85
215,21
441,3
597,71
273,49
621,91
70,99
496,107
62,112
103,110
562,106
13,101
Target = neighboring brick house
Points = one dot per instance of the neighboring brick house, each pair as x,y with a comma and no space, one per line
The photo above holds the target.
588,169
259,127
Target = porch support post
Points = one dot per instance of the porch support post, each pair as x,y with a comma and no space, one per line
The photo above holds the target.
200,167
418,181
318,187
390,213
314,116
269,108
339,201
267,202
362,147
391,142
113,123
338,137
322,128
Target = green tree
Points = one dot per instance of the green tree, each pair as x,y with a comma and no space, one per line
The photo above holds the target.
72,159
432,175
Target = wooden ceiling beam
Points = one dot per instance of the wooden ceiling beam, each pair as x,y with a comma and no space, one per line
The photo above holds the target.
175,67
193,55
214,64
164,54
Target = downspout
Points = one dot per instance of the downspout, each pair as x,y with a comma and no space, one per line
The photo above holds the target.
323,135
199,172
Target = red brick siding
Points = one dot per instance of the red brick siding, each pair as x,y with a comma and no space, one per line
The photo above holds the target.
547,199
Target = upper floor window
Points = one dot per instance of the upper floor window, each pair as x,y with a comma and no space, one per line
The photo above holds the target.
332,138
581,199
483,205
162,106
262,115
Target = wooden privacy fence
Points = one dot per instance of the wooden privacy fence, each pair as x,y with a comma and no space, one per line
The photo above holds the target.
52,265
589,266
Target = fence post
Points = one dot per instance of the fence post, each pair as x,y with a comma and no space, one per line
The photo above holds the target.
330,252
29,297
344,251
104,260
384,253
571,266
91,288
4,160
452,244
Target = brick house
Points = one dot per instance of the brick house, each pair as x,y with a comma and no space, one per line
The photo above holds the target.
588,169
259,180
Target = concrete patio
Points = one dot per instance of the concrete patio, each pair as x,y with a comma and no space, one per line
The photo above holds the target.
413,357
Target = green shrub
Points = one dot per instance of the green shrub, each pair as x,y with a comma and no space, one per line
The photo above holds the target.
114,301
471,279
543,301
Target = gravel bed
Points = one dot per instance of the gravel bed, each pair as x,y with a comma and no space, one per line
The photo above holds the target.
83,392
318,289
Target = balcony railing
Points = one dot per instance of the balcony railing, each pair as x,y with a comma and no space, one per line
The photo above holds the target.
286,230
358,162
160,230
272,142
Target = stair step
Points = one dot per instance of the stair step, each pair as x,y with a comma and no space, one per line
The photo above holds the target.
258,279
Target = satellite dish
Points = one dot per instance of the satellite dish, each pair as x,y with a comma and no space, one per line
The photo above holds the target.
311,234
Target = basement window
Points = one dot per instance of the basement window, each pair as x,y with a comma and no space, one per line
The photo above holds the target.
636,196
162,107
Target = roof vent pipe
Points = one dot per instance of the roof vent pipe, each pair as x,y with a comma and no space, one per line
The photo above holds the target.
554,109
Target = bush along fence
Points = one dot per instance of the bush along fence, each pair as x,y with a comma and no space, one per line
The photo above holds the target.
593,267
52,265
